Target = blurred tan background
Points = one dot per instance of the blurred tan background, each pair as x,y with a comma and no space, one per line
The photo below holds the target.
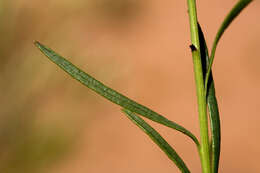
51,123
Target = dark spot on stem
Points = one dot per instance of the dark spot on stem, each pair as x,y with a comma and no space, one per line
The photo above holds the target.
193,48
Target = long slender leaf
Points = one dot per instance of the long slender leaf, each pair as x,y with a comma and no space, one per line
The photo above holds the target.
227,21
158,139
212,106
109,93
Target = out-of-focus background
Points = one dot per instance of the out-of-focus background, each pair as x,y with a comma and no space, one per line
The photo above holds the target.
51,123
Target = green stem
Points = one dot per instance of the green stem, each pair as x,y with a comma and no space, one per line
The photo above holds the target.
201,97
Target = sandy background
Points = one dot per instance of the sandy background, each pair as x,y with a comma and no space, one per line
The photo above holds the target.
51,123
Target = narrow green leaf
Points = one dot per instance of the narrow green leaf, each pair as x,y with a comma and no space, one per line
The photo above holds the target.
215,127
109,93
158,139
227,21
212,106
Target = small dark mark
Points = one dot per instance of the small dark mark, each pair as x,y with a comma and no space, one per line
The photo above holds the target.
192,47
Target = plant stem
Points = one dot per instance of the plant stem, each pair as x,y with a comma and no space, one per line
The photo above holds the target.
201,97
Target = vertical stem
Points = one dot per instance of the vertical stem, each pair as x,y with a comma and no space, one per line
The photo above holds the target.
201,97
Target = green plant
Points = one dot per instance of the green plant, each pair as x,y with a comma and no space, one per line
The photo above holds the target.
209,144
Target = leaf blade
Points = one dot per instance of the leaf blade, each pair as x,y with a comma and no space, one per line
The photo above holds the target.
109,93
158,139
235,11
212,106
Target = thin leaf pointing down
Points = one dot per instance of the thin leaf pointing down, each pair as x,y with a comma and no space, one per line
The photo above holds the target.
158,139
227,21
109,93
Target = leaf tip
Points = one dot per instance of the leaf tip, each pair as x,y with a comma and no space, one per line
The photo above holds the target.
40,46
126,111
36,43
